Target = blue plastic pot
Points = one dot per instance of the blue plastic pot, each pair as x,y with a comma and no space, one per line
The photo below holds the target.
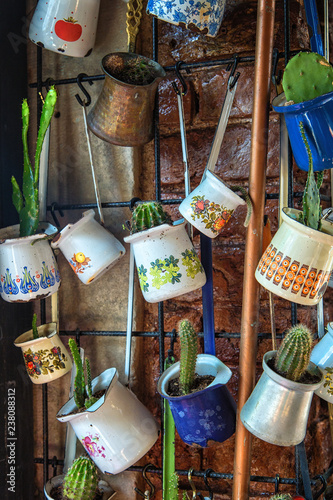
205,416
317,117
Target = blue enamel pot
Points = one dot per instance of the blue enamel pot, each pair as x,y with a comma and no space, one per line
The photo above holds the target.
317,117
206,416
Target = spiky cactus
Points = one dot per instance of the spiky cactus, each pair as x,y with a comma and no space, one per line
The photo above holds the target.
81,480
146,215
81,396
306,76
311,195
188,355
26,201
282,496
293,356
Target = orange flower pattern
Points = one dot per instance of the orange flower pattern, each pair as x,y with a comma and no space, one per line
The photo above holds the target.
288,274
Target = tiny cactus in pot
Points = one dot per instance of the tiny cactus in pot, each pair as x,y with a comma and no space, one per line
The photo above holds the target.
307,75
281,496
293,356
188,355
83,397
81,480
26,201
146,215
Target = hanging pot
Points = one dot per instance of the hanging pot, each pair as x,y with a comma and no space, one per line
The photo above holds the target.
205,416
210,205
123,113
65,26
28,269
45,358
201,17
117,430
277,410
322,356
317,117
297,263
89,248
166,261
103,486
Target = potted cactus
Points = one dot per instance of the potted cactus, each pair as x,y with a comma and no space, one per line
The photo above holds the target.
278,408
308,97
115,429
205,415
297,263
166,260
28,269
81,482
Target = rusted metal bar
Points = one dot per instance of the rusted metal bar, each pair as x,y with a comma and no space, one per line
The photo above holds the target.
257,185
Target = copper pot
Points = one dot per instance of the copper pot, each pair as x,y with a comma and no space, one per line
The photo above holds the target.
123,113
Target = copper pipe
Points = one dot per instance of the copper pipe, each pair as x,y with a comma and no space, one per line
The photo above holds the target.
257,185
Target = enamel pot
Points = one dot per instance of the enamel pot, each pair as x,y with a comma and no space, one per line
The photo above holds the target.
206,416
89,248
166,261
317,117
277,410
203,17
65,26
103,486
322,356
45,358
297,264
28,269
210,205
123,113
117,430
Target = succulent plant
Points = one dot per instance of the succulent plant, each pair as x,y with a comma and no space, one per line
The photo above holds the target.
82,397
188,355
293,356
281,496
81,480
34,327
26,201
146,215
311,195
306,76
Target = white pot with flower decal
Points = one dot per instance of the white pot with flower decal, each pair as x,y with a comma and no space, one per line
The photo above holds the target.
166,260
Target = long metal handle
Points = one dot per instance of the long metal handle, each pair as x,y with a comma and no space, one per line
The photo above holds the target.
129,317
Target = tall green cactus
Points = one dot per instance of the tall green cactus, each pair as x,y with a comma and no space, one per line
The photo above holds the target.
188,355
311,195
146,215
34,327
82,397
306,76
81,480
26,201
293,356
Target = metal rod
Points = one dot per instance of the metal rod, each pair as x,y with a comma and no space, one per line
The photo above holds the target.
257,185
207,296
129,317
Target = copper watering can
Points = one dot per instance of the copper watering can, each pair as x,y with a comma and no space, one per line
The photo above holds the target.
123,113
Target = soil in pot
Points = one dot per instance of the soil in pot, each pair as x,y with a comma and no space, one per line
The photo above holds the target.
200,383
56,494
134,71
306,378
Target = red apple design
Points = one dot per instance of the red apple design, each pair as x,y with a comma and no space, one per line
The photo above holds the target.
68,29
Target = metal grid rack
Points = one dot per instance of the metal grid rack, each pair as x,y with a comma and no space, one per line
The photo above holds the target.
160,333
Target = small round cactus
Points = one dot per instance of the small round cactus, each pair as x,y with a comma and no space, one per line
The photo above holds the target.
293,356
188,355
146,215
281,496
306,76
81,480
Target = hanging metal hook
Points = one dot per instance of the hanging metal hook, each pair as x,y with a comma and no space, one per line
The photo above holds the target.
232,80
180,78
148,494
277,483
172,343
194,490
85,92
209,489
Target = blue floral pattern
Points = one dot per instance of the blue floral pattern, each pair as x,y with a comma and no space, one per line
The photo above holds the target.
206,15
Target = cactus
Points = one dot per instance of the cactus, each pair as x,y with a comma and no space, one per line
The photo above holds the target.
311,196
306,76
281,496
34,327
188,355
146,215
26,201
293,356
82,397
81,480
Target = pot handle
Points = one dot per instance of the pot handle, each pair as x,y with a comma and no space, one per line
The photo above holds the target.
223,376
